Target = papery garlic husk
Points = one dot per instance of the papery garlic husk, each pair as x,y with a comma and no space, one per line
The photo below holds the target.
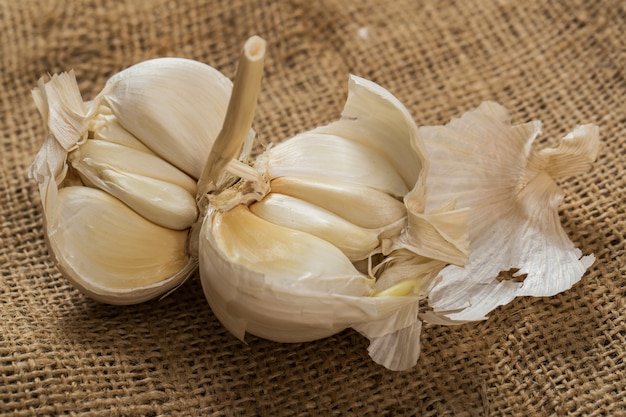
286,264
494,169
117,175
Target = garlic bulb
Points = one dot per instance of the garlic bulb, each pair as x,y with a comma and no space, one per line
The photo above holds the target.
291,247
117,175
354,223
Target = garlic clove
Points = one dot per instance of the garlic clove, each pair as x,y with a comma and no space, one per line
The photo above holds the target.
146,183
110,252
282,253
175,106
361,205
161,202
286,285
355,242
98,155
332,157
105,127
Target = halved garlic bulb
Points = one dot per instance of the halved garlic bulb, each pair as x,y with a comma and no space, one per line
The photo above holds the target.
117,175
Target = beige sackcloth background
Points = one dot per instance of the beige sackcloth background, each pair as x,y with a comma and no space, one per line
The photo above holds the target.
563,62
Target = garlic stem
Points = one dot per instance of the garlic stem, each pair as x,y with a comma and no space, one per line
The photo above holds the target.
244,171
239,115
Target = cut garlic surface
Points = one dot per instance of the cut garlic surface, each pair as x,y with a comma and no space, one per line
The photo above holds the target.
137,149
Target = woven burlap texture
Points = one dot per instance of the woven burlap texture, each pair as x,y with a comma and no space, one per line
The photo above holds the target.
562,62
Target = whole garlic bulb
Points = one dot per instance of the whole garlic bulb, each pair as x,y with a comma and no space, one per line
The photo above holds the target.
314,236
117,175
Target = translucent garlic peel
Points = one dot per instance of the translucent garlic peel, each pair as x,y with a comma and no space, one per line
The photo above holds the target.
440,234
62,108
66,118
491,167
387,128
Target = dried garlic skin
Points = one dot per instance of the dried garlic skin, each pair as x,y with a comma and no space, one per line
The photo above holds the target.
513,199
286,265
117,175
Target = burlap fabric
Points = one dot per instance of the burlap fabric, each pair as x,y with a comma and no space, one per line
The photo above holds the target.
562,62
